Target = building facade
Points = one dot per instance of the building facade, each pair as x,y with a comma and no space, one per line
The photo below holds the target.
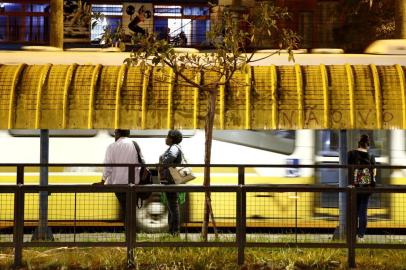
27,21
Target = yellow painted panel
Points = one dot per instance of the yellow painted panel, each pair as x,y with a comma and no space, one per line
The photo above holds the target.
7,206
299,89
67,206
263,98
402,86
260,205
33,179
287,98
235,102
9,76
248,94
313,97
378,96
263,206
326,96
284,97
79,97
364,98
69,77
339,97
350,86
119,85
392,108
184,99
157,99
279,206
27,97
105,97
52,99
89,206
130,115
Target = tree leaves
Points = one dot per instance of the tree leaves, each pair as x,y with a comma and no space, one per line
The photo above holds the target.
233,36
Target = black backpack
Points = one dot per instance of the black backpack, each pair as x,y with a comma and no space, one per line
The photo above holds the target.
145,178
363,176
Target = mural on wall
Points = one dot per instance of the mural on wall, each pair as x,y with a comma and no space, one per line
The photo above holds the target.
138,18
76,19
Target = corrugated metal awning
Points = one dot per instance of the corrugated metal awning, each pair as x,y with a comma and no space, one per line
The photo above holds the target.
266,97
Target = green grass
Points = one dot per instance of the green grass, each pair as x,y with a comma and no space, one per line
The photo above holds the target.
203,258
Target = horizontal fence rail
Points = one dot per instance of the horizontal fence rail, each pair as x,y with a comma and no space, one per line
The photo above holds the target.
234,202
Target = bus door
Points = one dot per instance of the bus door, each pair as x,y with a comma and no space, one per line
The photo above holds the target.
327,152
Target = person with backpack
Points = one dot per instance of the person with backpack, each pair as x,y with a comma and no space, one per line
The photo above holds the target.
124,151
362,177
172,155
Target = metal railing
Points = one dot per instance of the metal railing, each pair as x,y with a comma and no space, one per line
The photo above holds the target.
241,190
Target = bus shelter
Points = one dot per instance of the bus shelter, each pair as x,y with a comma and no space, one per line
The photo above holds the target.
266,97
342,97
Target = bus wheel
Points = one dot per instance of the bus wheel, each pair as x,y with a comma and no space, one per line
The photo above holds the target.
152,216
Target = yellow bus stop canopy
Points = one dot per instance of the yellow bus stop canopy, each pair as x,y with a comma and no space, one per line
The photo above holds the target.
266,97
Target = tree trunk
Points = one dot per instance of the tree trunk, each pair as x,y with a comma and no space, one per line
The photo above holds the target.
400,19
56,24
207,158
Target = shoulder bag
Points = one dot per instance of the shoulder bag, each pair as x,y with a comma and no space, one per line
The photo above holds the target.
181,174
145,177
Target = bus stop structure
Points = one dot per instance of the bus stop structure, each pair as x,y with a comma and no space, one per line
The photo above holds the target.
263,97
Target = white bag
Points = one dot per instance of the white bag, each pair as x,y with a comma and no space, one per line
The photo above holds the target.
182,174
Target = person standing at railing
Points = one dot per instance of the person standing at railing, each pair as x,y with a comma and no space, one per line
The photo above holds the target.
122,151
362,177
172,155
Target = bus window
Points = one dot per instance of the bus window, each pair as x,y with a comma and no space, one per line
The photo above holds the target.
278,141
54,132
379,140
327,142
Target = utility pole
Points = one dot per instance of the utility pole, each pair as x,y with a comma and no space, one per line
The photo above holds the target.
43,232
56,24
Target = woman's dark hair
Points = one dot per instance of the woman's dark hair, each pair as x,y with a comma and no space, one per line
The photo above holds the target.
175,135
363,141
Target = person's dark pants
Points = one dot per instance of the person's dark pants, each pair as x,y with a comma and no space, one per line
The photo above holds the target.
121,197
173,212
362,213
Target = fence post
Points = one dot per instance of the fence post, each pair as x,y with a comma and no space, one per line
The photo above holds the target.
343,182
241,215
351,224
18,236
129,217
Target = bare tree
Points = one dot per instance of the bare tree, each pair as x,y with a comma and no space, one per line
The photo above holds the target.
234,37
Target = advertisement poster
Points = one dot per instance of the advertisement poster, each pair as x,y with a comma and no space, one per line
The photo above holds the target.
76,21
138,18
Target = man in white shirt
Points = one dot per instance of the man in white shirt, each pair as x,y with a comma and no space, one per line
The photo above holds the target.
122,151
